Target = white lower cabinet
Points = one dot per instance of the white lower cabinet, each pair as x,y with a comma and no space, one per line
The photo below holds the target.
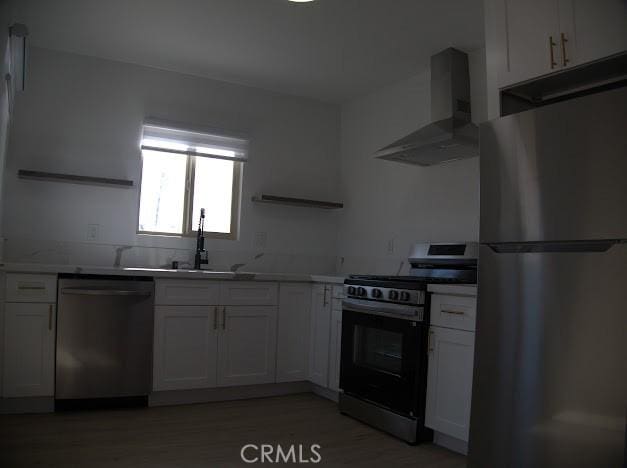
247,345
29,343
293,332
185,347
449,383
320,334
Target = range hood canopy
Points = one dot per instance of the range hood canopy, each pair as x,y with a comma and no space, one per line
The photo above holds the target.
452,135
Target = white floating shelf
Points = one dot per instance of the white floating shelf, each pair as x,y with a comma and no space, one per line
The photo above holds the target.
276,200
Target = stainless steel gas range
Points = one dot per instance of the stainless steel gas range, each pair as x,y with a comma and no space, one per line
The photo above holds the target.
385,321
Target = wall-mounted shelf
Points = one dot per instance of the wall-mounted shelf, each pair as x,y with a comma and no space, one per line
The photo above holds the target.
273,199
73,179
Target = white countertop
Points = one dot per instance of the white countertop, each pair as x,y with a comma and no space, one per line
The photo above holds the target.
165,273
455,289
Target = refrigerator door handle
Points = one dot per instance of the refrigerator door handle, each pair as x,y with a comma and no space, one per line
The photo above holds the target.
555,246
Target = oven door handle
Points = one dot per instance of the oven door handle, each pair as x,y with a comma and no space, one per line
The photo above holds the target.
380,308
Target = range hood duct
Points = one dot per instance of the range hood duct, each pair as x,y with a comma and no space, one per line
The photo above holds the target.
452,135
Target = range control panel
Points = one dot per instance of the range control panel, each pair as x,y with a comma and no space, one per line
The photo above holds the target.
383,294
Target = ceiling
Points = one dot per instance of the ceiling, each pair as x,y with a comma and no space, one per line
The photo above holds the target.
332,50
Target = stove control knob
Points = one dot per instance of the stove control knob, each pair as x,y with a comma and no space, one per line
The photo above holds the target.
376,293
361,292
405,296
393,295
351,290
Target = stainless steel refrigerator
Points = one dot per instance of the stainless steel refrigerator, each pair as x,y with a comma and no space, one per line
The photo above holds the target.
550,377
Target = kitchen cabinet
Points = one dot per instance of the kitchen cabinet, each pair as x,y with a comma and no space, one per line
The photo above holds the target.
320,334
185,347
538,37
29,343
531,40
293,332
247,345
598,28
214,343
449,382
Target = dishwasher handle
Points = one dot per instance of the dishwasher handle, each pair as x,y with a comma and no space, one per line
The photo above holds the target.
104,292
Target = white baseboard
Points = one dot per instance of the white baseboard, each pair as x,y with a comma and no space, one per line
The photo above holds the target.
325,392
451,443
207,395
26,405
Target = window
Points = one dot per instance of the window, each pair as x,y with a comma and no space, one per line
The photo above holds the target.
184,171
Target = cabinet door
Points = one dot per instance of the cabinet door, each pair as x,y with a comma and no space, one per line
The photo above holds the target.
185,347
29,332
335,349
593,29
293,332
449,382
320,334
247,345
531,32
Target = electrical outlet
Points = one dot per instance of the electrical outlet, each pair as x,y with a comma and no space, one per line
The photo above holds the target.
93,232
390,249
261,240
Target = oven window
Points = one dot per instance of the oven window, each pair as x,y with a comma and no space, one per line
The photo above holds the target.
377,349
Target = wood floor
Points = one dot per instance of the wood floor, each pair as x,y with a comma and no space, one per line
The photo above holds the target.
205,435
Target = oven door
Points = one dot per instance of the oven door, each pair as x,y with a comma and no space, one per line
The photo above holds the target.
380,360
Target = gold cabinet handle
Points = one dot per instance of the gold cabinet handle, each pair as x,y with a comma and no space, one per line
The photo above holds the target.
551,45
429,344
565,59
215,318
50,317
452,312
325,302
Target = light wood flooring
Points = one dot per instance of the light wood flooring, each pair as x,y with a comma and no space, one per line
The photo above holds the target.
205,435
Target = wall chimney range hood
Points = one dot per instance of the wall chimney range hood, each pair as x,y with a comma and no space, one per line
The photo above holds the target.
451,135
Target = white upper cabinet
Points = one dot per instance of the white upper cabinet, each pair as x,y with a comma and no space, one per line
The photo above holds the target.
293,332
597,28
320,334
531,40
247,345
185,347
538,37
29,349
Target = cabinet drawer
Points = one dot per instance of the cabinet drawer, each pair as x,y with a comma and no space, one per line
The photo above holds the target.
187,292
31,288
453,311
249,293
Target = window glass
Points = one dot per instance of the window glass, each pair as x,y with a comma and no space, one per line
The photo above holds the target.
213,191
162,192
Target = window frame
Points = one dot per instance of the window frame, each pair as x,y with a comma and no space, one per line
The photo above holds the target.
188,217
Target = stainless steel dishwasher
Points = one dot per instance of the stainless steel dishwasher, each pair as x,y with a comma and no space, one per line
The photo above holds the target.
104,337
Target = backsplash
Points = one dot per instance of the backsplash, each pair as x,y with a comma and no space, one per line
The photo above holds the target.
93,254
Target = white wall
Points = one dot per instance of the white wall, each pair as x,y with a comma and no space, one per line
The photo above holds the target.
391,201
83,115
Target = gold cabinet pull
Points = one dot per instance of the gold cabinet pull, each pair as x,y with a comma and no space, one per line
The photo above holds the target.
565,59
453,312
50,317
429,344
551,45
